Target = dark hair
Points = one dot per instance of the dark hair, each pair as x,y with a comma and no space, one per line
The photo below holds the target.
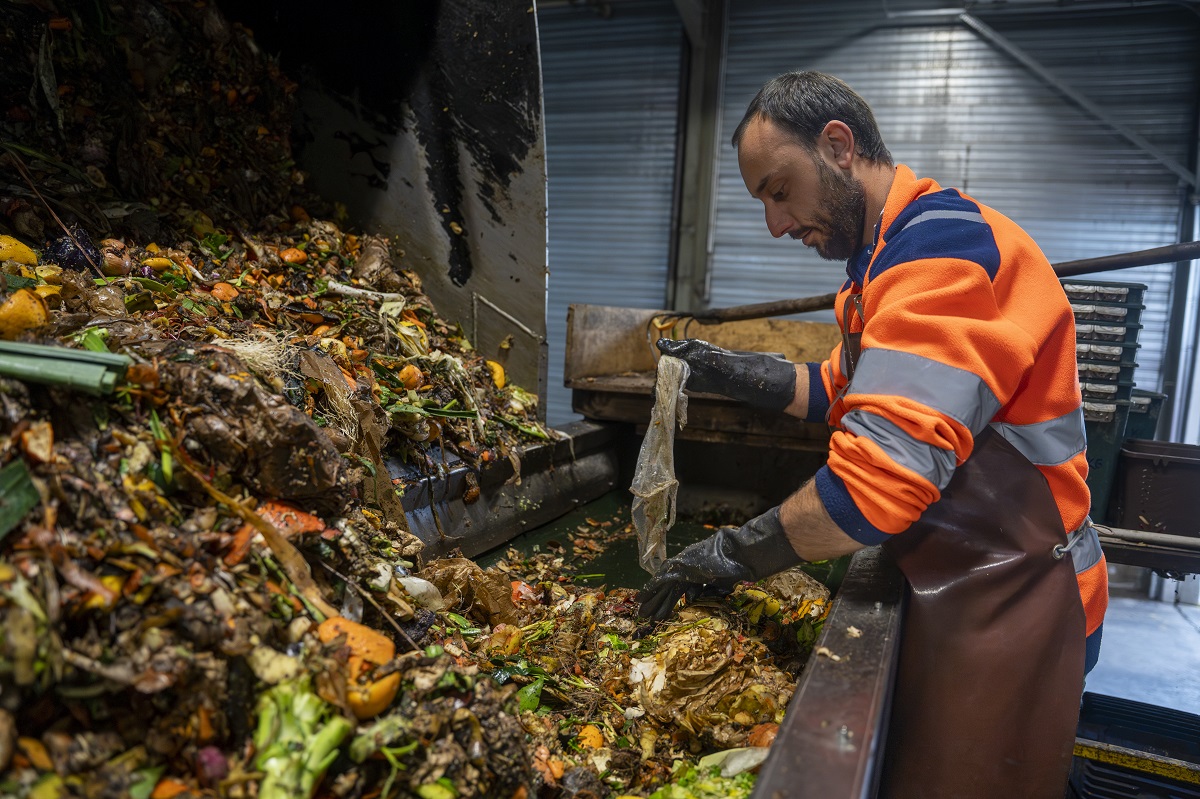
803,103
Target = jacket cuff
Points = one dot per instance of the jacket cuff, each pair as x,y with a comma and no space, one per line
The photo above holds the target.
841,508
818,400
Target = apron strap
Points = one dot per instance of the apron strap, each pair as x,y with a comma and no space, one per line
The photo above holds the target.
851,348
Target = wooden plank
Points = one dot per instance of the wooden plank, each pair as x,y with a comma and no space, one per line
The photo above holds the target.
733,422
607,341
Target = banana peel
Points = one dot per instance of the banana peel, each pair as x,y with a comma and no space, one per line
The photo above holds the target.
498,376
758,605
158,263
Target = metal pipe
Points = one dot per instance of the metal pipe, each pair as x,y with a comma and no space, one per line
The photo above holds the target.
692,47
1141,537
763,310
1186,251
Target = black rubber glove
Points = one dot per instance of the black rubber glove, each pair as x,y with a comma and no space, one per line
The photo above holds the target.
757,549
755,378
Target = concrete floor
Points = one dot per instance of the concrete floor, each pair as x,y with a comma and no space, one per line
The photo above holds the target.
1150,652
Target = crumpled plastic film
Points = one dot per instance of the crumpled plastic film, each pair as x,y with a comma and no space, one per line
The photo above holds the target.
654,484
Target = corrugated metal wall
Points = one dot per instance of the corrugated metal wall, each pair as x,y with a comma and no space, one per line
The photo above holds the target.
611,93
953,107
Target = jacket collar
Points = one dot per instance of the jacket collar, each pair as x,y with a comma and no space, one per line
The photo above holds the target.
906,187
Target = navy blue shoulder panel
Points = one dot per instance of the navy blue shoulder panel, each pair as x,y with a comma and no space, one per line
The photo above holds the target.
856,266
940,225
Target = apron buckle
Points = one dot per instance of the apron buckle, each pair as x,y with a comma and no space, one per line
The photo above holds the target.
1060,550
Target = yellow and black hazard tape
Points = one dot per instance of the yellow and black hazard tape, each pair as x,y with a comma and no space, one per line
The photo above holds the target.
1145,762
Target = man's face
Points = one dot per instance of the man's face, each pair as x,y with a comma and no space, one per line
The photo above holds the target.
805,195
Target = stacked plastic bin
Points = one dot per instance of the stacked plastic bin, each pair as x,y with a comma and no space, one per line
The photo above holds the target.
1107,322
1144,411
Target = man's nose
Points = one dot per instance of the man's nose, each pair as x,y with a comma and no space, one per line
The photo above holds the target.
778,222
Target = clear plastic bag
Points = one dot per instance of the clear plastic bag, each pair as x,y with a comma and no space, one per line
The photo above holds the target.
654,484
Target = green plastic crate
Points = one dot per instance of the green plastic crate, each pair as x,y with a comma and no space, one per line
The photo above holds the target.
1104,441
1143,414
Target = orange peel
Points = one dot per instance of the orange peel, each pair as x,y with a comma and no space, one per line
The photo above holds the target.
368,649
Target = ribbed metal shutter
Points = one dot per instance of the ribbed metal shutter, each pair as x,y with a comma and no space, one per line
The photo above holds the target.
953,107
611,94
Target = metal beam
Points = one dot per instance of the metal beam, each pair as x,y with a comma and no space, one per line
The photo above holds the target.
1183,333
692,14
1175,372
1024,59
688,285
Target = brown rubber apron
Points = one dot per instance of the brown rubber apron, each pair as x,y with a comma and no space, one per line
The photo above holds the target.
992,650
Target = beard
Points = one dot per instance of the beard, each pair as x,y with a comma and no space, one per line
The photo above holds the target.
845,213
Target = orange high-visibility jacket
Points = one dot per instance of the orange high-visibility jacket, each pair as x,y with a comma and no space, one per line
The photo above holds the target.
965,325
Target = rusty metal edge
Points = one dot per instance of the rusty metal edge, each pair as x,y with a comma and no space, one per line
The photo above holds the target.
831,743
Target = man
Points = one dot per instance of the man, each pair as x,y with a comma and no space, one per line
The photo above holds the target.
958,444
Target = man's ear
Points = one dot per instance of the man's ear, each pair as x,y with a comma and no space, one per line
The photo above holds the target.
838,140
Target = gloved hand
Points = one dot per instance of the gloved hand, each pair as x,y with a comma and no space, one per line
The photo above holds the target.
755,378
757,549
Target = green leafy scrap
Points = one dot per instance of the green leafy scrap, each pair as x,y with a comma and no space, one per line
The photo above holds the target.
18,495
529,697
696,783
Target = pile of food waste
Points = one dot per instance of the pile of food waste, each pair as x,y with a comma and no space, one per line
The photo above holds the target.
172,627
169,631
208,386
146,118
194,495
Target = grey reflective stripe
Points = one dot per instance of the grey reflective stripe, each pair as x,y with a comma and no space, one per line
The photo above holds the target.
1087,552
966,216
1049,443
959,394
934,464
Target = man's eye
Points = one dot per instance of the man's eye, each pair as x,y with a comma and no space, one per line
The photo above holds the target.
778,196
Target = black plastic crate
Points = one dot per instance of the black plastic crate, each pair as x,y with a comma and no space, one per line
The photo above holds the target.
1105,390
1107,351
1104,291
1156,748
1156,487
1106,372
1141,726
1144,409
1103,412
1098,331
1106,313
